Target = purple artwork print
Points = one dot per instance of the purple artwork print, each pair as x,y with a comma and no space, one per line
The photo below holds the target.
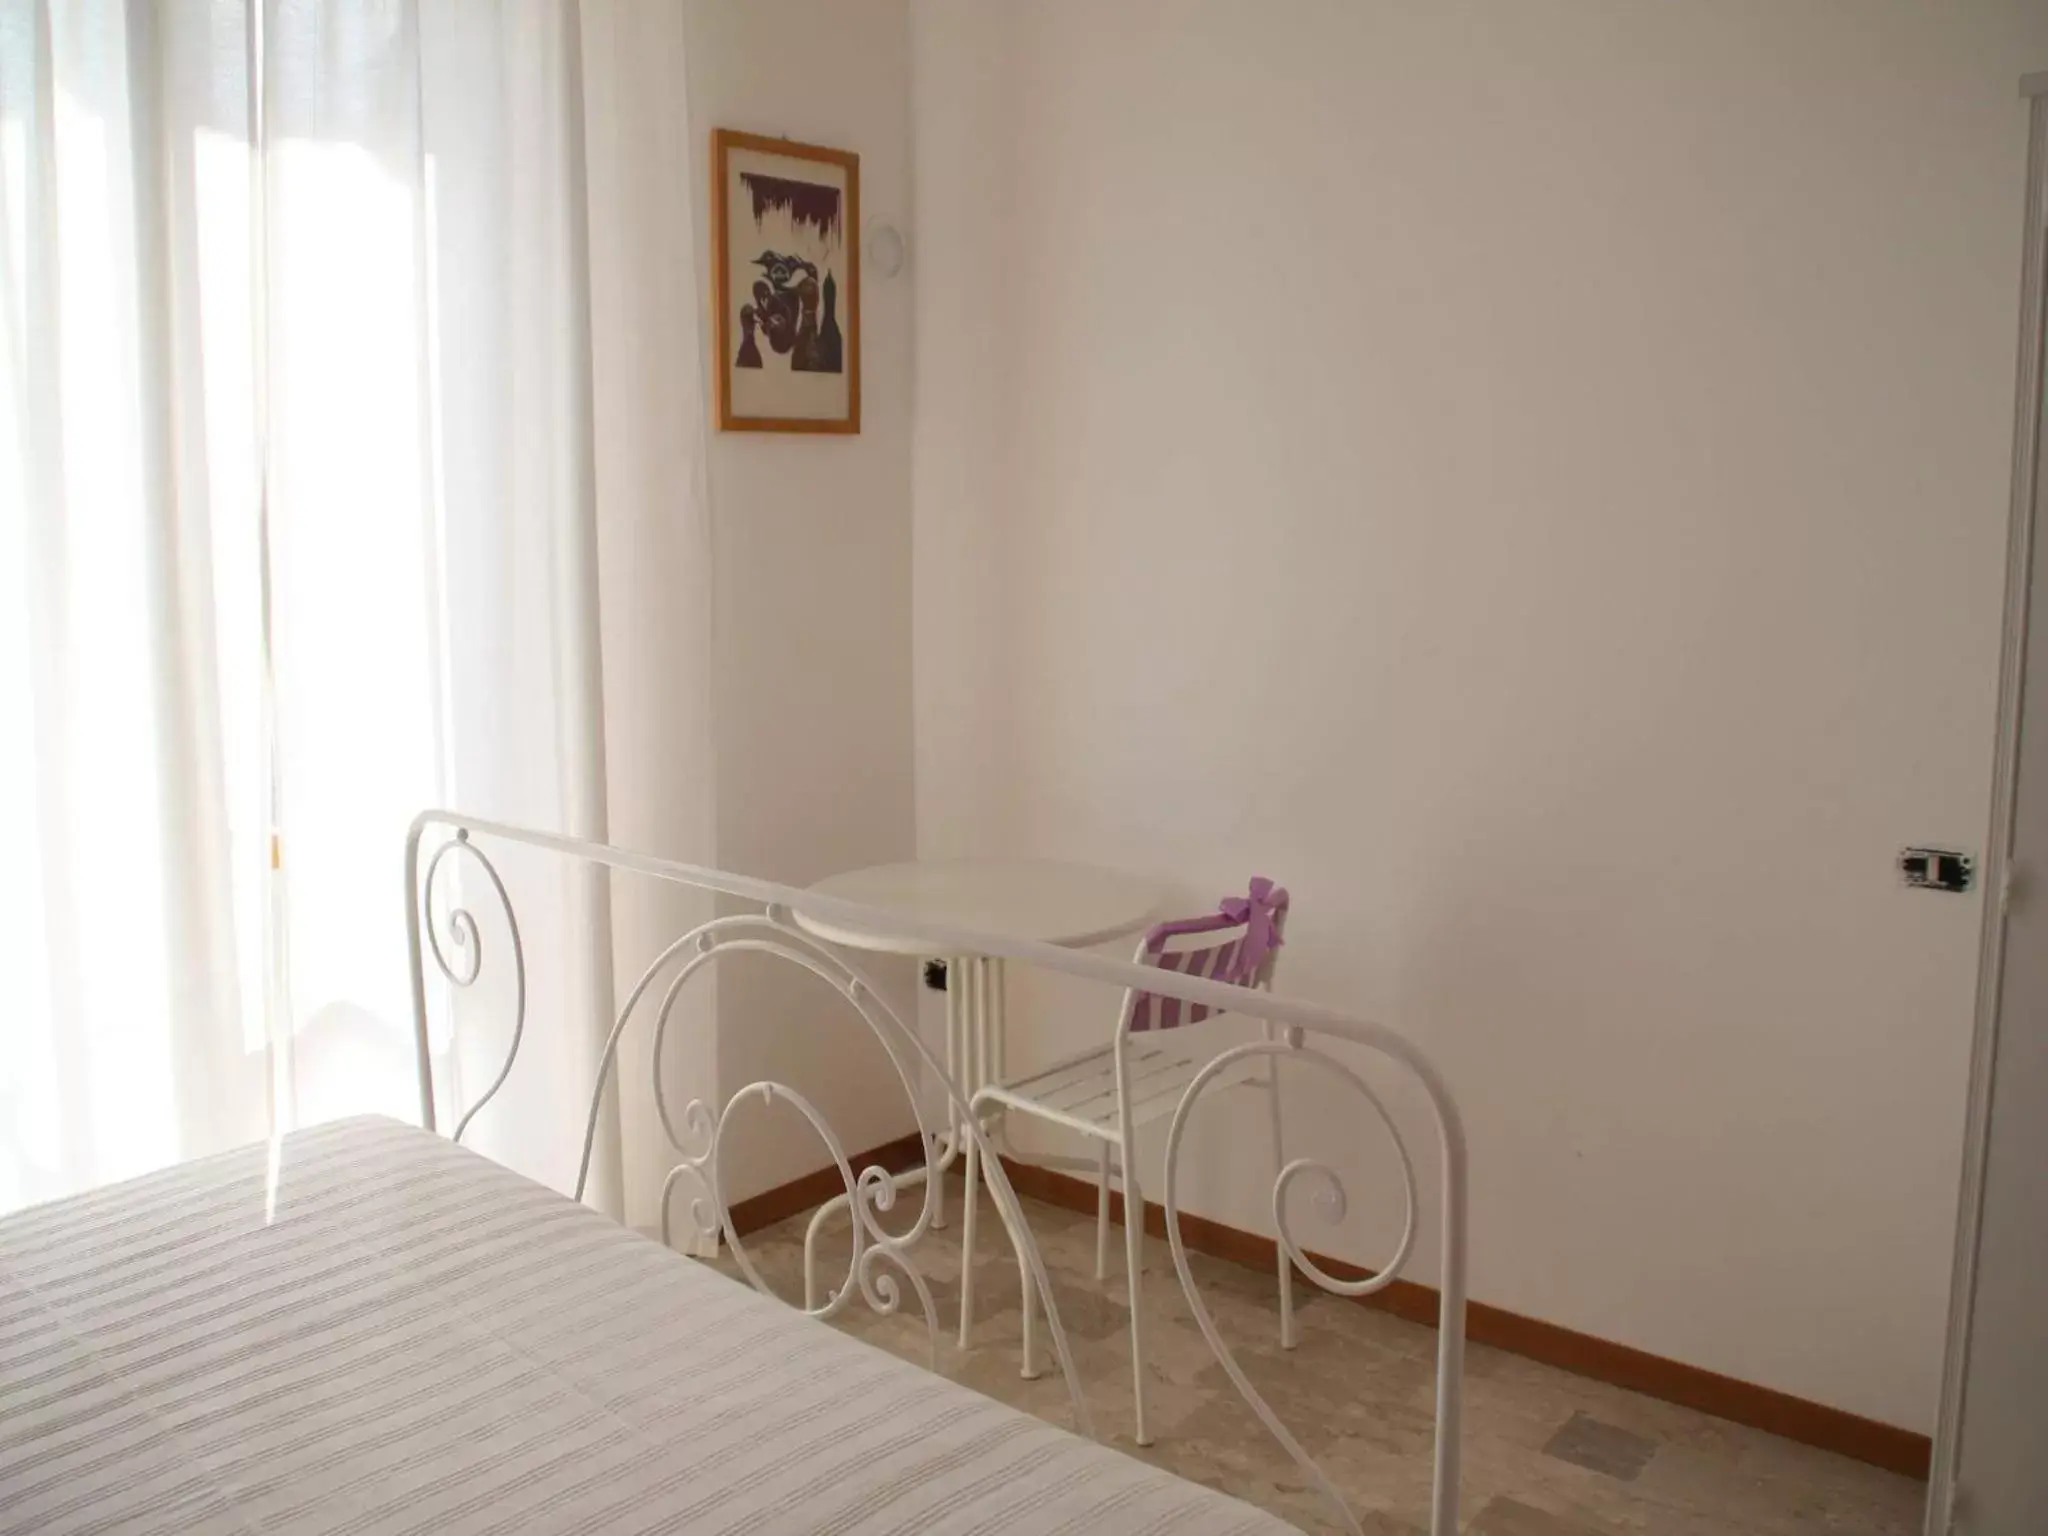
795,308
805,202
786,227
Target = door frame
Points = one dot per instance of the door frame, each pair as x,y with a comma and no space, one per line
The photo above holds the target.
2027,514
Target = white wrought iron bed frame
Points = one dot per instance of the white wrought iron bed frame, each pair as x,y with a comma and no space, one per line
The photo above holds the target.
449,935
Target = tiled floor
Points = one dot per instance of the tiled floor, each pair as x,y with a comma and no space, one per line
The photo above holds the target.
1546,1453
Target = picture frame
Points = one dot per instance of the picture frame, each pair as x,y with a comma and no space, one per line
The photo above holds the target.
785,241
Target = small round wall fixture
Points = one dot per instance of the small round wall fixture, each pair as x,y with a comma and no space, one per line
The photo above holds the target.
885,249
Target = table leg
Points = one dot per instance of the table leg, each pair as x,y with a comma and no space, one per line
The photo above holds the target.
977,1069
956,1037
973,998
999,1032
971,1077
994,1039
991,1021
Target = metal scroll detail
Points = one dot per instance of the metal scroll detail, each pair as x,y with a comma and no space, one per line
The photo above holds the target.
880,1271
465,939
697,1134
1330,1200
880,1268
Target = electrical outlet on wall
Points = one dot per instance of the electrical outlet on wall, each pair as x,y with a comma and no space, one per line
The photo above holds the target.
1937,869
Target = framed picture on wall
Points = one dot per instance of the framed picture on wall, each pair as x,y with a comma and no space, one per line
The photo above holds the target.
785,240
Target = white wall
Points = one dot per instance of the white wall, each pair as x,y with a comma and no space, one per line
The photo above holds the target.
811,559
1532,478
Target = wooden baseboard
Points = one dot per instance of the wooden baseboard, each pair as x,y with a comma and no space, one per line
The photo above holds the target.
814,1189
1795,1418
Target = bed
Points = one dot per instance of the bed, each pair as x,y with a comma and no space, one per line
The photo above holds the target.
416,1340
370,1329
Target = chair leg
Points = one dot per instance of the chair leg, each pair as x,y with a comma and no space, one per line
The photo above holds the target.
1029,1306
1285,1266
1102,1210
1134,1229
969,1204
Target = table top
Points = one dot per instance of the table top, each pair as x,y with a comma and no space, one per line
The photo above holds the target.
1073,905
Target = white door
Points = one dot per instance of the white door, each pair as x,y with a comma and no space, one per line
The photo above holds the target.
1991,1474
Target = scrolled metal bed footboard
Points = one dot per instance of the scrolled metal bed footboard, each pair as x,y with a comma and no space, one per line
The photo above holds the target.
447,940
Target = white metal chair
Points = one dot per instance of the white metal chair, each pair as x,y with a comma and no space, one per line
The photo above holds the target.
1139,1076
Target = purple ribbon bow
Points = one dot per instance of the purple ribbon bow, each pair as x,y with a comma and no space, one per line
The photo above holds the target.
1258,912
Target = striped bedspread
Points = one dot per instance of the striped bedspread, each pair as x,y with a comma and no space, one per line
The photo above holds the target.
417,1342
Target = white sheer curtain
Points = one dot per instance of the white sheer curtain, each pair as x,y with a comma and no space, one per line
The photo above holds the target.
298,534
131,898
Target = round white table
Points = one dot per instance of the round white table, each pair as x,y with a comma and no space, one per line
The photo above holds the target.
1072,905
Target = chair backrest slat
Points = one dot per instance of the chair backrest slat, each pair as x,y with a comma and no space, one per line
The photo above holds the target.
1246,931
